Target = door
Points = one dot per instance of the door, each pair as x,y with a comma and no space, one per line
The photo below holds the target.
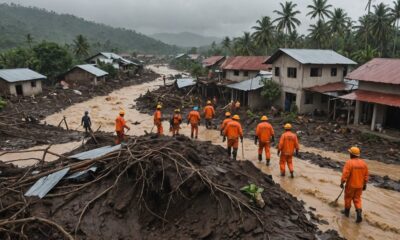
290,99
18,89
392,117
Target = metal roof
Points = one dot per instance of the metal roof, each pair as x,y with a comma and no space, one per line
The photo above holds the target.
252,63
248,85
374,97
110,55
96,153
180,55
185,82
312,56
93,70
45,184
80,174
20,75
212,60
380,70
335,87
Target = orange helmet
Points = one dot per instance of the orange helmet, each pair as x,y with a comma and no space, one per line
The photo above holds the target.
121,112
288,126
355,151
264,118
227,114
158,106
208,102
236,117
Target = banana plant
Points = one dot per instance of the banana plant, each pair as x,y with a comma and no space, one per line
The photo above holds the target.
254,192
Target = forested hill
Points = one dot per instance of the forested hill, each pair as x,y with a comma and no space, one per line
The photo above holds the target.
16,22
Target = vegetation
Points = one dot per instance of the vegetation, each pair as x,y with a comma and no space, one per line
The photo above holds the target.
374,35
3,103
193,67
112,72
81,47
271,90
21,26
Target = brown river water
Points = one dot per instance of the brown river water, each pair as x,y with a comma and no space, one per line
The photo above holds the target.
314,185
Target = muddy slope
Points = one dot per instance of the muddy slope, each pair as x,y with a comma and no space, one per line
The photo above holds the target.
155,188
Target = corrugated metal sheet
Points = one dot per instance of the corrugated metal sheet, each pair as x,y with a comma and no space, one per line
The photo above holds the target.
248,85
180,55
81,173
212,60
374,97
335,87
252,63
19,75
95,153
312,56
380,70
45,184
93,70
185,82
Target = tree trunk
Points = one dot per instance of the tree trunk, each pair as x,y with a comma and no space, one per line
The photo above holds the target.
395,38
286,30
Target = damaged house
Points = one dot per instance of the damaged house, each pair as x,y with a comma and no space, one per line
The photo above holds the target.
116,60
20,82
83,74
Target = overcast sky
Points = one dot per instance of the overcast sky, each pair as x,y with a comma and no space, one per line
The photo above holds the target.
208,17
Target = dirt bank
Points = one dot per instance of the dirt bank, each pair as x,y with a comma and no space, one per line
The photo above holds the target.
155,188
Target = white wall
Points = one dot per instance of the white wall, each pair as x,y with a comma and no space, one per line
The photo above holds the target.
231,76
27,89
380,87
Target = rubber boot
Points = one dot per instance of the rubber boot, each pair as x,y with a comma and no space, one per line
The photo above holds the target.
346,212
291,174
282,174
234,154
195,137
267,161
259,157
191,135
359,217
229,150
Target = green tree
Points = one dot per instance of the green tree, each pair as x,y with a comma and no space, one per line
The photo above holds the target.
18,58
318,33
319,9
381,26
287,20
81,46
364,55
271,90
363,29
29,40
264,33
112,72
368,6
244,45
337,25
395,14
52,59
226,44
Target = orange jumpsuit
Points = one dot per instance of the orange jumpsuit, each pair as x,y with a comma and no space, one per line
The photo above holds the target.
287,144
264,132
355,175
209,113
233,131
194,119
120,124
224,123
158,122
176,121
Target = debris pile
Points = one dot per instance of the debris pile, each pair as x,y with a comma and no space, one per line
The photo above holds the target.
150,188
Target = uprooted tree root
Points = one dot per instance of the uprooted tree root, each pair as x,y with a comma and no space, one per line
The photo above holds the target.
153,188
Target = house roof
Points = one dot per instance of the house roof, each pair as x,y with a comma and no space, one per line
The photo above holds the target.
312,56
380,70
374,97
252,63
248,85
92,69
212,60
185,82
194,56
20,75
335,87
180,55
113,56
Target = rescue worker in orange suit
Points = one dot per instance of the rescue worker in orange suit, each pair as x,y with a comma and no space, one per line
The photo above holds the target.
176,121
355,176
288,143
194,120
225,122
209,113
264,135
233,131
120,126
158,120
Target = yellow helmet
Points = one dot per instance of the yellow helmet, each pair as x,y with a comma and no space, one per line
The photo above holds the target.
355,151
264,118
177,110
236,117
158,106
288,126
227,114
121,112
208,102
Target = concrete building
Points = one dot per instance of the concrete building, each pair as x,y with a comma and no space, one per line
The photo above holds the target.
213,65
377,100
242,68
299,69
116,60
20,82
84,74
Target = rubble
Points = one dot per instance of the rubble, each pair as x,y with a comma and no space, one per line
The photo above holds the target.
152,188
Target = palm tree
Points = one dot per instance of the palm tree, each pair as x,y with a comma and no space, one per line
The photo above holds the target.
244,45
319,9
264,33
337,24
81,46
287,20
364,55
368,7
363,29
318,33
395,14
381,26
29,40
226,44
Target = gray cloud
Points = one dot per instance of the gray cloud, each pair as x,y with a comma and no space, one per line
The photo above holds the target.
208,17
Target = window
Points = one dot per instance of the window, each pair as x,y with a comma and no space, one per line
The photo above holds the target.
246,73
315,72
309,98
236,72
277,71
33,84
292,72
333,72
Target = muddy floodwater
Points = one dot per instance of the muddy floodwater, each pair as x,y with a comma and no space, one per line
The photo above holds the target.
314,185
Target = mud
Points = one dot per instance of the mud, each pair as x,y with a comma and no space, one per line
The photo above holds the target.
157,188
